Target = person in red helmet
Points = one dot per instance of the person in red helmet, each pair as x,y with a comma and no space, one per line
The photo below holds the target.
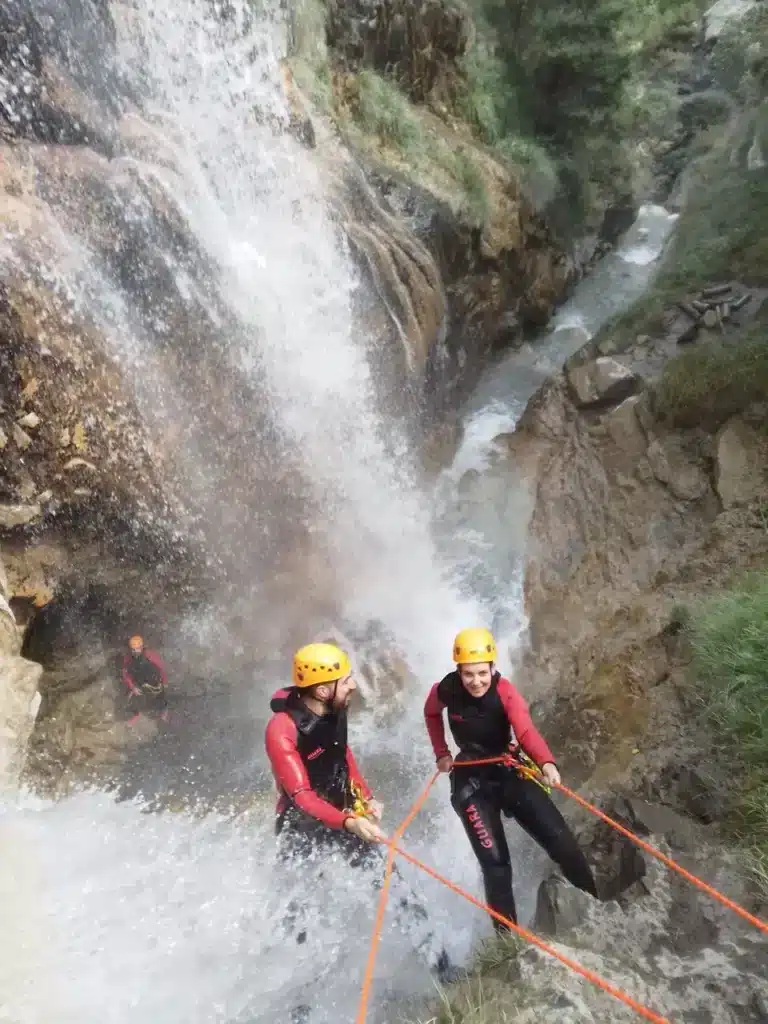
146,680
488,718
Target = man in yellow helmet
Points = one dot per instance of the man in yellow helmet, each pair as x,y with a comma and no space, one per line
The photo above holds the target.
324,801
316,773
489,718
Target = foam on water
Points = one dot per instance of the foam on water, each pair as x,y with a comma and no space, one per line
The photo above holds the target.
129,915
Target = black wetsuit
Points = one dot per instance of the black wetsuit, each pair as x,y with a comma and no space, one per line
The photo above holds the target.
480,795
329,769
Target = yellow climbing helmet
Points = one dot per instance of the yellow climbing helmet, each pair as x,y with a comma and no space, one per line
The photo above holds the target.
474,645
319,663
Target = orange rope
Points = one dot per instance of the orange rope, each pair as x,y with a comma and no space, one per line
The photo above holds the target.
756,921
381,909
585,972
530,936
700,883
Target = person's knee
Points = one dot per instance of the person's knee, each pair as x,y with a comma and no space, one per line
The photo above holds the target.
573,863
497,877
497,880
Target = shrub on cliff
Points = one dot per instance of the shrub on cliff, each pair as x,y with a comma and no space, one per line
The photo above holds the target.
707,384
730,641
589,84
550,72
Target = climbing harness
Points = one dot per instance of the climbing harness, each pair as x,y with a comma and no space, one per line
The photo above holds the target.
360,806
530,770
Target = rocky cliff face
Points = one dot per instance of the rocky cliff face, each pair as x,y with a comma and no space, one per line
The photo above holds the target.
113,322
631,519
386,76
19,697
667,945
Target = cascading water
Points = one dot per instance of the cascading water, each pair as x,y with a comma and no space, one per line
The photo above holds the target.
114,914
491,539
170,918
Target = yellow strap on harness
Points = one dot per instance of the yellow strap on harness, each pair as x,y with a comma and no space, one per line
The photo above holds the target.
359,803
530,770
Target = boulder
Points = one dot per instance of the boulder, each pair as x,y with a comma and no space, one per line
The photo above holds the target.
602,382
722,13
624,428
676,468
741,468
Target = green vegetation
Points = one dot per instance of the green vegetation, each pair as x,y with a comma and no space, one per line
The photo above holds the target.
484,995
649,27
383,110
584,84
720,234
562,93
730,641
707,384
309,61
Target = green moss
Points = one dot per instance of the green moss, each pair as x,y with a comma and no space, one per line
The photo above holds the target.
314,80
309,53
470,180
384,111
730,643
537,168
709,383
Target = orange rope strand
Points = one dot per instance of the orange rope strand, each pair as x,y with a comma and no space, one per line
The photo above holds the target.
693,879
704,886
378,924
585,972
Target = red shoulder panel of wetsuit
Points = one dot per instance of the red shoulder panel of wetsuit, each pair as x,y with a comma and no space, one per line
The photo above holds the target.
291,775
433,716
356,775
526,733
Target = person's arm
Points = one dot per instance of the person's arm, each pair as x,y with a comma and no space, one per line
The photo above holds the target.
526,733
126,675
356,775
291,775
433,716
159,664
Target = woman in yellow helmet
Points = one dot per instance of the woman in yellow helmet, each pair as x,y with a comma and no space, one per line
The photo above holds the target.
488,717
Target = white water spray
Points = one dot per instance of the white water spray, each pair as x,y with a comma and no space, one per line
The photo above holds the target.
170,919
126,915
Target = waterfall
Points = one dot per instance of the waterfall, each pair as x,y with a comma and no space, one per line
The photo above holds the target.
170,917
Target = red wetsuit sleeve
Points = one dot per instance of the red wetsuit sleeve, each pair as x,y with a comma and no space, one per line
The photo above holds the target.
356,775
291,775
433,716
127,680
157,661
526,733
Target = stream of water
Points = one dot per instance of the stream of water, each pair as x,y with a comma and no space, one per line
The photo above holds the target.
111,914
